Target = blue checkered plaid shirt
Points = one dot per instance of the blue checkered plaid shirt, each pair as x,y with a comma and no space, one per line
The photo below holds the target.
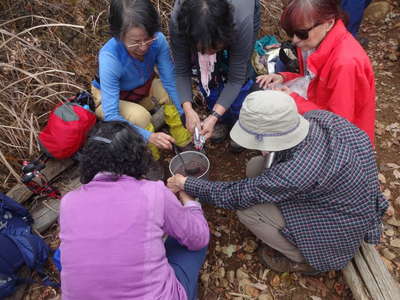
326,188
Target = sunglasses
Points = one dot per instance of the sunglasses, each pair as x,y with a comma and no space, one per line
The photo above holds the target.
302,33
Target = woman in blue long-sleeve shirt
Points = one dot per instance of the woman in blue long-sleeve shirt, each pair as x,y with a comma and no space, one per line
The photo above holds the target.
127,81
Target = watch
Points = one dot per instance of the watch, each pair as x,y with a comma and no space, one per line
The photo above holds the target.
215,114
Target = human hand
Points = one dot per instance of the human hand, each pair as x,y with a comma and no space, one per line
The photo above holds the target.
161,140
269,81
176,183
207,127
192,119
284,89
184,197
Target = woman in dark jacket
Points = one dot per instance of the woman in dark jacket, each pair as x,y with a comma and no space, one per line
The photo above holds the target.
200,32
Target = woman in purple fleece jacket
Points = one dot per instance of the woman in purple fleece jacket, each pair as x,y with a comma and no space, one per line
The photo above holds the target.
112,227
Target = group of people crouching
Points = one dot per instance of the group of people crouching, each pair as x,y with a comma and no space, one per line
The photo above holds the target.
127,237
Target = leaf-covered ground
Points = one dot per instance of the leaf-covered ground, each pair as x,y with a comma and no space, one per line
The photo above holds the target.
232,269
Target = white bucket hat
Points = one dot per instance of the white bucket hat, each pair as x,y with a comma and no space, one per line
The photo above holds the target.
269,121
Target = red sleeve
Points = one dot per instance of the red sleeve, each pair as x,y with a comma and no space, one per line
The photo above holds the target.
287,76
352,96
342,85
303,105
341,99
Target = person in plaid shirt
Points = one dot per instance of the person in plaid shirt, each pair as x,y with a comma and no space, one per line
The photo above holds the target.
320,198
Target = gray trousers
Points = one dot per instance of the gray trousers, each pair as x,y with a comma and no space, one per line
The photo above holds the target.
265,220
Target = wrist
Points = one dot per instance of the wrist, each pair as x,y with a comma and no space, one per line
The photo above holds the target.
182,184
151,136
212,119
184,197
217,116
187,106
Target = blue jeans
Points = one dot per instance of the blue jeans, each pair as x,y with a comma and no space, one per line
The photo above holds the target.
186,264
232,114
355,10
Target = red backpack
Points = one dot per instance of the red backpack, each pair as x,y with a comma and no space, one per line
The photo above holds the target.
68,126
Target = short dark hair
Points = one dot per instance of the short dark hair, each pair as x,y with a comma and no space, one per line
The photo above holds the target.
206,24
298,12
126,14
113,147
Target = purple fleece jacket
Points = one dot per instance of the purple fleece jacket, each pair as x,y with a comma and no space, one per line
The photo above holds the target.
111,239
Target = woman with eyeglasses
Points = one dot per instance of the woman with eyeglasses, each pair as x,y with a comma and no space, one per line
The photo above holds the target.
335,71
128,87
112,228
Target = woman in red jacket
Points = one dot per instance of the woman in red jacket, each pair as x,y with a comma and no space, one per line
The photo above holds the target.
335,71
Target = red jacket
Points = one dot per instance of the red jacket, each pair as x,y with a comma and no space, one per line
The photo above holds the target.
344,80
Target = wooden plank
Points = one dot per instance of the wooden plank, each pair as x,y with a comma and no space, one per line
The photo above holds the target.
388,286
21,193
355,283
46,214
367,277
368,270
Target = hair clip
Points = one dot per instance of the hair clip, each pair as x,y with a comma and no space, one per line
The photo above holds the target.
101,139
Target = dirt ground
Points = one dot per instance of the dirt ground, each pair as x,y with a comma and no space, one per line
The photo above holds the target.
232,269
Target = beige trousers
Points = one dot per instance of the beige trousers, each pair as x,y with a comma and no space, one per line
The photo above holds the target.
265,220
137,113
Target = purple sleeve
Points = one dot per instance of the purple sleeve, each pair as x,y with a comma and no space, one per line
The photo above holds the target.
185,223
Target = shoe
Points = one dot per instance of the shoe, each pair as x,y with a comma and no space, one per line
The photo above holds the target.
219,134
235,147
155,171
280,263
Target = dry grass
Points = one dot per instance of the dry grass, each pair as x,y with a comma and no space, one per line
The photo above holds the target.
47,54
43,61
32,80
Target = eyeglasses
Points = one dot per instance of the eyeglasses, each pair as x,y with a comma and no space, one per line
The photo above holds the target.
142,44
302,33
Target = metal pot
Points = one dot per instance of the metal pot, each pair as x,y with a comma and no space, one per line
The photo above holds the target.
190,156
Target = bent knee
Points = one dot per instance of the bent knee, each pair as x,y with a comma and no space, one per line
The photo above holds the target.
247,216
135,113
255,166
132,112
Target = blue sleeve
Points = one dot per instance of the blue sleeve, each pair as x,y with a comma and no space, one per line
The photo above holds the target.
167,71
110,71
